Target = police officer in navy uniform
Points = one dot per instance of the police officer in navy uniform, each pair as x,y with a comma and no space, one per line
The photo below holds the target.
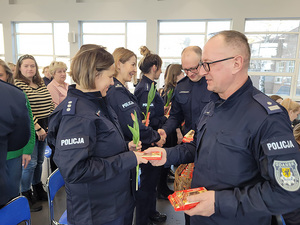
123,102
150,66
90,150
14,128
190,94
244,152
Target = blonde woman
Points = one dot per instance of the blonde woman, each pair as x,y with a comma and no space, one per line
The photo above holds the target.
292,107
58,88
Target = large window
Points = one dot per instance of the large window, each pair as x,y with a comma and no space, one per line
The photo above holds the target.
174,36
1,43
46,41
112,35
274,65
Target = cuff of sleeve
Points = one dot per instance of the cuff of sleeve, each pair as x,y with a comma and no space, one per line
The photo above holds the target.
224,204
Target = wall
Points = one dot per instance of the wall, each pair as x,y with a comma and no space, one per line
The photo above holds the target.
73,11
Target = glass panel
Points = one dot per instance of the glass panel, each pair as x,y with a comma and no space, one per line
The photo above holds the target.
43,61
34,28
103,28
182,27
272,66
136,36
272,84
1,40
216,26
272,26
111,42
61,44
35,44
298,85
273,45
172,45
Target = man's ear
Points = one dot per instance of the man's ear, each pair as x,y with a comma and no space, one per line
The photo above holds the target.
154,68
238,63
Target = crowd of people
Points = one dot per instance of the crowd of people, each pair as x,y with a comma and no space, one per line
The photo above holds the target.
245,148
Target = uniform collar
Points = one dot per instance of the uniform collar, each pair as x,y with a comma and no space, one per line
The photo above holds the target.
148,80
89,95
217,100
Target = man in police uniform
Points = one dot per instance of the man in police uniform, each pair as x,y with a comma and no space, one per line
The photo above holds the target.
14,128
244,151
190,95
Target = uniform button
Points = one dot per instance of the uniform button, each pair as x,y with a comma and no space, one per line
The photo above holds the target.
69,102
69,105
269,103
68,109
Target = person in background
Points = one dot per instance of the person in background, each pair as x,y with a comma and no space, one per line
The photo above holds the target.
29,80
14,132
58,88
47,76
173,74
150,66
12,67
276,98
20,157
90,150
292,107
190,97
248,160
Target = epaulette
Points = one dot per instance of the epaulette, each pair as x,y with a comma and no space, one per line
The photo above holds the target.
270,105
70,106
118,86
183,79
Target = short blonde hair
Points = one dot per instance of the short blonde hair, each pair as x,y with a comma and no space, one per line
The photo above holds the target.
289,104
296,132
87,64
56,65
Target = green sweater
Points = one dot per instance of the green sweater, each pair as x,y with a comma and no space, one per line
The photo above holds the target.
28,148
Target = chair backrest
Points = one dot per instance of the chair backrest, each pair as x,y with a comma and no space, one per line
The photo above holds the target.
16,211
54,182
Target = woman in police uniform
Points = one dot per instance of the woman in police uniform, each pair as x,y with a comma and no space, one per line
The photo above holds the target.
90,150
150,66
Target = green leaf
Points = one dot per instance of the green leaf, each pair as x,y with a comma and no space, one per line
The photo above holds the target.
151,96
169,96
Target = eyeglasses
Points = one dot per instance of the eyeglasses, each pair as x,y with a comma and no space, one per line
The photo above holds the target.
193,70
206,64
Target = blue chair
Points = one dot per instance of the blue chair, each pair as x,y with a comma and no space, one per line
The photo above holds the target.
16,211
47,155
54,182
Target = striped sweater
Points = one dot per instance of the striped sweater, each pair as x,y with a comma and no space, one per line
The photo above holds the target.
39,98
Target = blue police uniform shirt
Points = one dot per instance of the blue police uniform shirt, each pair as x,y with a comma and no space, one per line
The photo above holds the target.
188,102
124,103
157,118
93,158
244,149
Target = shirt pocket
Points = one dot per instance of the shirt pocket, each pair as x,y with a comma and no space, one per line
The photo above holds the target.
183,98
233,157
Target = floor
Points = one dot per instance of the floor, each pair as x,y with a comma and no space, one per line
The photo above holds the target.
42,217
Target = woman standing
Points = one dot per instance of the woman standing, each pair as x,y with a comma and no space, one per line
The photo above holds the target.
29,80
90,150
150,65
58,88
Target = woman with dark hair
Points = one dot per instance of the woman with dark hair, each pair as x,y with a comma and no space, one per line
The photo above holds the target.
150,66
27,78
90,150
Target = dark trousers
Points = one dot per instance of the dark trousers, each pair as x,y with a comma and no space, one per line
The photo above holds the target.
146,195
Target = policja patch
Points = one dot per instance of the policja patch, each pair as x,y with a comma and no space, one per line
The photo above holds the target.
286,174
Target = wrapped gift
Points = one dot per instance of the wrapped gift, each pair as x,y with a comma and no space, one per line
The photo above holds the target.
188,137
179,198
152,155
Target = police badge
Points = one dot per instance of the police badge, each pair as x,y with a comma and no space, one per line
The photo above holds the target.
286,174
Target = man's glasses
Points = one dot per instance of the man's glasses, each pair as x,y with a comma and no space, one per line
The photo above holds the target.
193,70
206,64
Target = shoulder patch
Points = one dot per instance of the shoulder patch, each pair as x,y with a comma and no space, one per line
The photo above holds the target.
280,145
70,106
287,174
270,106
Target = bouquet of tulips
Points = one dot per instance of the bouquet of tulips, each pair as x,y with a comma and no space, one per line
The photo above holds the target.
135,130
